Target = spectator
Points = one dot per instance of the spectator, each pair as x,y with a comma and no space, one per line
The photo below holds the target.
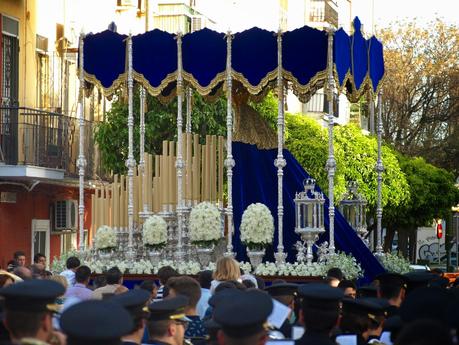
204,278
164,274
114,281
38,271
334,276
80,289
150,286
23,272
72,264
227,269
39,259
190,288
99,281
349,288
20,258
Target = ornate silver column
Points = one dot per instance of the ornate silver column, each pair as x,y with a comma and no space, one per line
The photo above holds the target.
144,212
189,94
379,170
179,163
280,162
331,162
130,162
81,161
229,161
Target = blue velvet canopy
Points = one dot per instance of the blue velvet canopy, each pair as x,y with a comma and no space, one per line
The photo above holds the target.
358,62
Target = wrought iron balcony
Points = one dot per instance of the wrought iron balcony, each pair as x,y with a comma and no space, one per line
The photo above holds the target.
45,139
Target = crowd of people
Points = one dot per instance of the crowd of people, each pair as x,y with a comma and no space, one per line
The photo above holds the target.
224,307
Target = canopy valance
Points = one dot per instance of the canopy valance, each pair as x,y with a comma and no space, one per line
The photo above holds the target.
358,62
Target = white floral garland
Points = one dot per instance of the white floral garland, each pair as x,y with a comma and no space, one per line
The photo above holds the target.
154,232
257,226
395,263
205,224
105,238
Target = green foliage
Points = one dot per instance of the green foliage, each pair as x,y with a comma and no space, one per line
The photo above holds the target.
355,154
268,109
432,191
160,124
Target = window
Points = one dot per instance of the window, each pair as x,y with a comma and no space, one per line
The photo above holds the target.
9,60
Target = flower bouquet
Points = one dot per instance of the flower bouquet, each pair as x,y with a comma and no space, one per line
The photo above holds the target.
257,231
205,230
154,236
105,241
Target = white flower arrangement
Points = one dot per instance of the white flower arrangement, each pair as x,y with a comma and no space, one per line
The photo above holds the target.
205,224
246,267
395,263
347,263
154,232
257,226
105,238
291,269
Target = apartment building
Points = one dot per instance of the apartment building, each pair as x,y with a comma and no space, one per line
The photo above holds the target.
39,130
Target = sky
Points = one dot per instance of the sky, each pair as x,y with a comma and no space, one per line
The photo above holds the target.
242,14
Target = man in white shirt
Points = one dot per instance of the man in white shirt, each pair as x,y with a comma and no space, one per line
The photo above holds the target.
72,264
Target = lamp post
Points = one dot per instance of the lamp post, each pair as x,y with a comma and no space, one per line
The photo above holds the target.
353,209
309,215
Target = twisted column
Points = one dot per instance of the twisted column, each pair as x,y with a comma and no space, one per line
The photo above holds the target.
229,161
81,161
179,163
130,162
331,162
142,150
280,162
379,169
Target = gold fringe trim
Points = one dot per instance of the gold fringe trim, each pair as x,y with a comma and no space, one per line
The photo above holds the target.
299,88
204,90
106,91
347,77
254,89
155,91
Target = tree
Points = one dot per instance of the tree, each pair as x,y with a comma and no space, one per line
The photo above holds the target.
432,194
421,91
160,124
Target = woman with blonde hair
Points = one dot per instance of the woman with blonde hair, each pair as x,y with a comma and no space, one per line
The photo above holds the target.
227,269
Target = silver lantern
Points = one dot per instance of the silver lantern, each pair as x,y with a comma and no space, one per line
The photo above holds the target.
353,209
309,215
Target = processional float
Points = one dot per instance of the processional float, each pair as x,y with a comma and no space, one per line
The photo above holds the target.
212,63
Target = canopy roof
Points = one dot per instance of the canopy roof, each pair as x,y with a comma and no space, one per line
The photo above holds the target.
358,62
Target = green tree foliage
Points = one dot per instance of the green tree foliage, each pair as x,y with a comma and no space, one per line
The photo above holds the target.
160,124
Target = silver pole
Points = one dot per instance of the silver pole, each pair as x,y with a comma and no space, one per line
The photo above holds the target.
229,161
179,163
372,114
280,162
331,162
142,150
130,162
189,94
379,170
81,161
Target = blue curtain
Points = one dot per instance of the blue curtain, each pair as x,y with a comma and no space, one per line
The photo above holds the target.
255,180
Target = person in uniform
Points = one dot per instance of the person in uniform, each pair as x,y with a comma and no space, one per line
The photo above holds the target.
319,313
135,302
243,320
167,322
29,308
95,322
284,293
358,317
392,287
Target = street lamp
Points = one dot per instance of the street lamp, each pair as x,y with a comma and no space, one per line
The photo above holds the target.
309,215
353,209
